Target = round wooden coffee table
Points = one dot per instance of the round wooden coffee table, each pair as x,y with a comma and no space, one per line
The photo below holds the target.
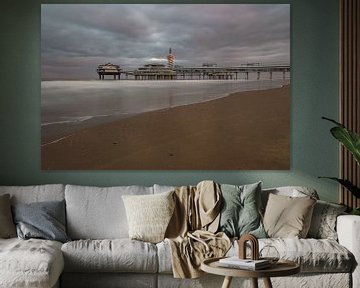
281,268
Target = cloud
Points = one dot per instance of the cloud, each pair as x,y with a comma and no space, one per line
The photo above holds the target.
77,37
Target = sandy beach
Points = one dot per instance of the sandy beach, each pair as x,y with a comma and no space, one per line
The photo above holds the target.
243,131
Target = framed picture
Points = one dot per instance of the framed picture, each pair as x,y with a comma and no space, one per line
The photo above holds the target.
165,86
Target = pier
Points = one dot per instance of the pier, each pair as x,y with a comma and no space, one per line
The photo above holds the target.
161,72
230,73
208,71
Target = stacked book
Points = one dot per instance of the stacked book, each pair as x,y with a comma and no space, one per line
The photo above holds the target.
248,264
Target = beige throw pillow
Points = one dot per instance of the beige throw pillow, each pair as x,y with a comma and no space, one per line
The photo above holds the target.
288,217
7,226
149,215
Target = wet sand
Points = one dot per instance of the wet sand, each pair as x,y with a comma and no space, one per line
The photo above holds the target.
243,131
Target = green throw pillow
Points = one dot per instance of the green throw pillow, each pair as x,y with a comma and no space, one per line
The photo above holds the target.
240,213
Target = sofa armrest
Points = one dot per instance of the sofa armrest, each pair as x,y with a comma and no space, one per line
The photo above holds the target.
348,230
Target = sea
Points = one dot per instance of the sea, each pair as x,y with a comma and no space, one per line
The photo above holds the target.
76,102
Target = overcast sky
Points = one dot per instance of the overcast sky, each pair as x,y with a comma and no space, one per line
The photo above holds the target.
76,38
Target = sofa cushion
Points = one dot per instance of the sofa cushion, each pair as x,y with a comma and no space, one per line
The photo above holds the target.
7,227
37,193
98,213
109,280
323,222
149,215
240,210
43,220
164,257
30,263
313,255
287,216
116,255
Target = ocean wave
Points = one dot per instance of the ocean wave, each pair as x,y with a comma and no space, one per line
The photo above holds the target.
74,120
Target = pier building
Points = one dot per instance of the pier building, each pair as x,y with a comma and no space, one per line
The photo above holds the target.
154,71
108,69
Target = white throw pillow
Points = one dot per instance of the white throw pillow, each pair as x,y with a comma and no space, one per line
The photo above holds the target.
149,215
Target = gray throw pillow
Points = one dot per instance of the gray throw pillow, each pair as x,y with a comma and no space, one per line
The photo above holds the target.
240,213
44,220
323,222
7,227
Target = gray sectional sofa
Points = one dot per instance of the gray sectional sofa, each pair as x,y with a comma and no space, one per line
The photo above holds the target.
100,253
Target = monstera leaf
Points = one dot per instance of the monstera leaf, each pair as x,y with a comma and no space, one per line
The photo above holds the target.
348,138
351,141
347,184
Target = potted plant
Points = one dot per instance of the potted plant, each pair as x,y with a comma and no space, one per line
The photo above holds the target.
351,141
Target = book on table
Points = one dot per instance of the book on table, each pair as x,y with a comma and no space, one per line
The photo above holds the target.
249,264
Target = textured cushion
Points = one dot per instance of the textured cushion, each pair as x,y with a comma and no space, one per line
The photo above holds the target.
240,210
31,263
36,193
149,215
313,255
44,220
323,222
117,255
287,216
98,213
7,227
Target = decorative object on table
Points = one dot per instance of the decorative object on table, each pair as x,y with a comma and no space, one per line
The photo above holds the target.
241,261
247,264
269,253
254,246
351,142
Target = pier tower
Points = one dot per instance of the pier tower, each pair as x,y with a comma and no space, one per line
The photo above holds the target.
170,57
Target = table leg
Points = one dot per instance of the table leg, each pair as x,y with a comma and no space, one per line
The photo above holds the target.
227,282
267,283
254,282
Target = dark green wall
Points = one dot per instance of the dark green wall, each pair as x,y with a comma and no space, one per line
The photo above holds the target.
315,73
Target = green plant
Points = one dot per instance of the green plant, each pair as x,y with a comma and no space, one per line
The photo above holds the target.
351,141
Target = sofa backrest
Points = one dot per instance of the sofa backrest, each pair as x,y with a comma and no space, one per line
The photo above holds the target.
36,193
293,191
98,212
163,188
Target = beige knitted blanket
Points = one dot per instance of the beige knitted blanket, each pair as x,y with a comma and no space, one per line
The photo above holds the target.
191,231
